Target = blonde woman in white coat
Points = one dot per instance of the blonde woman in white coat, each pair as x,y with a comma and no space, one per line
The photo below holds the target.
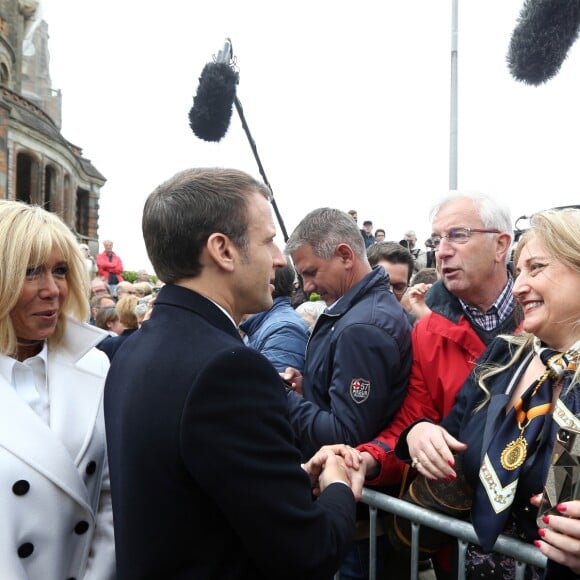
56,518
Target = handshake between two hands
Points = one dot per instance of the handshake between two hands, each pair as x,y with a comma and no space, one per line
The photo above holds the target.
333,463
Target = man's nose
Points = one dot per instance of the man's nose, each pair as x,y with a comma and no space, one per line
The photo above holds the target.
445,248
278,259
308,286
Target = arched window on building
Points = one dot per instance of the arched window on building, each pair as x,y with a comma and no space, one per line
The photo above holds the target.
4,74
49,189
68,200
26,177
82,217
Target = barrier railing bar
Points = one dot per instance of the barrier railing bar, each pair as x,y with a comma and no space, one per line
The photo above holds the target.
523,552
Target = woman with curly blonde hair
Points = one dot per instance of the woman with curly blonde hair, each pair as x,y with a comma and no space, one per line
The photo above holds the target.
509,412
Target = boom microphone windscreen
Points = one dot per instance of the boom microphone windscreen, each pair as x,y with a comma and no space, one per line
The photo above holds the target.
545,31
210,115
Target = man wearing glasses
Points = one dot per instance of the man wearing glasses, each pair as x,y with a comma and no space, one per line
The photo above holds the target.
470,304
398,264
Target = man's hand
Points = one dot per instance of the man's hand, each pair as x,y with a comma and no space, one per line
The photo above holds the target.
293,378
371,465
333,463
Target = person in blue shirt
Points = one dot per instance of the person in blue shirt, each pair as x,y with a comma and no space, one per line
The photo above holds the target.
280,333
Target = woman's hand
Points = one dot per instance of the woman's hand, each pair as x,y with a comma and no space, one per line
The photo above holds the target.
560,540
417,304
432,448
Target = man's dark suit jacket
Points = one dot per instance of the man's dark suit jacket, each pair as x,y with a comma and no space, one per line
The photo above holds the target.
206,481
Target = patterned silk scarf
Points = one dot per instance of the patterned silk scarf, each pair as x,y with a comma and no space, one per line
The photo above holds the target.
515,441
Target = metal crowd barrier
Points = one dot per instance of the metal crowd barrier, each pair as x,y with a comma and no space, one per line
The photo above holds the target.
522,552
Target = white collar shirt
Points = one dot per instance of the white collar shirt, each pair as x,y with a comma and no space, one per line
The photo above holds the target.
29,380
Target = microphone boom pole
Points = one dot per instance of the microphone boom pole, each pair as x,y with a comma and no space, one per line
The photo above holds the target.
252,143
210,115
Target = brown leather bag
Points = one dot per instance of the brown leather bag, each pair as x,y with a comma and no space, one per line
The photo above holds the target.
451,498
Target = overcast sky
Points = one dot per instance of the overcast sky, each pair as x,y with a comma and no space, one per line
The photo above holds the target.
348,104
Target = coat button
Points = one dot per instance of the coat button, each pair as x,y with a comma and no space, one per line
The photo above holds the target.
81,527
25,550
21,487
91,467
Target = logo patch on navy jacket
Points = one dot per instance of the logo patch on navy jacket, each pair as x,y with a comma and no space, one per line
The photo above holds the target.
360,389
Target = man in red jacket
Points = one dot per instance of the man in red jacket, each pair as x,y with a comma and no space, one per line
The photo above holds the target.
470,304
109,266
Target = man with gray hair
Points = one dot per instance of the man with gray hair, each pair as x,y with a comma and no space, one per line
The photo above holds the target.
109,266
470,305
359,356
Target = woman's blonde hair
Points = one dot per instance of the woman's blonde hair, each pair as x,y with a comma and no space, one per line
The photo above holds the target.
558,230
29,234
126,309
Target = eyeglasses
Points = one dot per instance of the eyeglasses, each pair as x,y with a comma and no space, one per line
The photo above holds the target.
460,235
400,288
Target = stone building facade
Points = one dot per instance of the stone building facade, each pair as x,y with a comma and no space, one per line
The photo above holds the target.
37,164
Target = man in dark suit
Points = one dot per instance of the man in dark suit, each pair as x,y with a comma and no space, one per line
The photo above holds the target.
206,481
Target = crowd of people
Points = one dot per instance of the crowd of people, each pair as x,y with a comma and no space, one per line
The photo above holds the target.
421,258
217,423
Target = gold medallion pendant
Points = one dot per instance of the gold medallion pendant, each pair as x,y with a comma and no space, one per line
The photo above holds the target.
514,454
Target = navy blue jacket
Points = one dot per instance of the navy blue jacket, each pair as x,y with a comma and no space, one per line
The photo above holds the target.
206,482
357,365
477,429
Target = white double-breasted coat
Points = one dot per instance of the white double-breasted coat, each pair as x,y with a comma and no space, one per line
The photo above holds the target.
56,518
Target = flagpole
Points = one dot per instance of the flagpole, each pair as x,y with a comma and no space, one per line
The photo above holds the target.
453,101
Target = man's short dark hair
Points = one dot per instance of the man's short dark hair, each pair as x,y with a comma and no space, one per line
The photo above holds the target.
181,214
367,223
390,252
284,281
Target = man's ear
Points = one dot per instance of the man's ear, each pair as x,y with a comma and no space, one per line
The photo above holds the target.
503,245
221,251
345,253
